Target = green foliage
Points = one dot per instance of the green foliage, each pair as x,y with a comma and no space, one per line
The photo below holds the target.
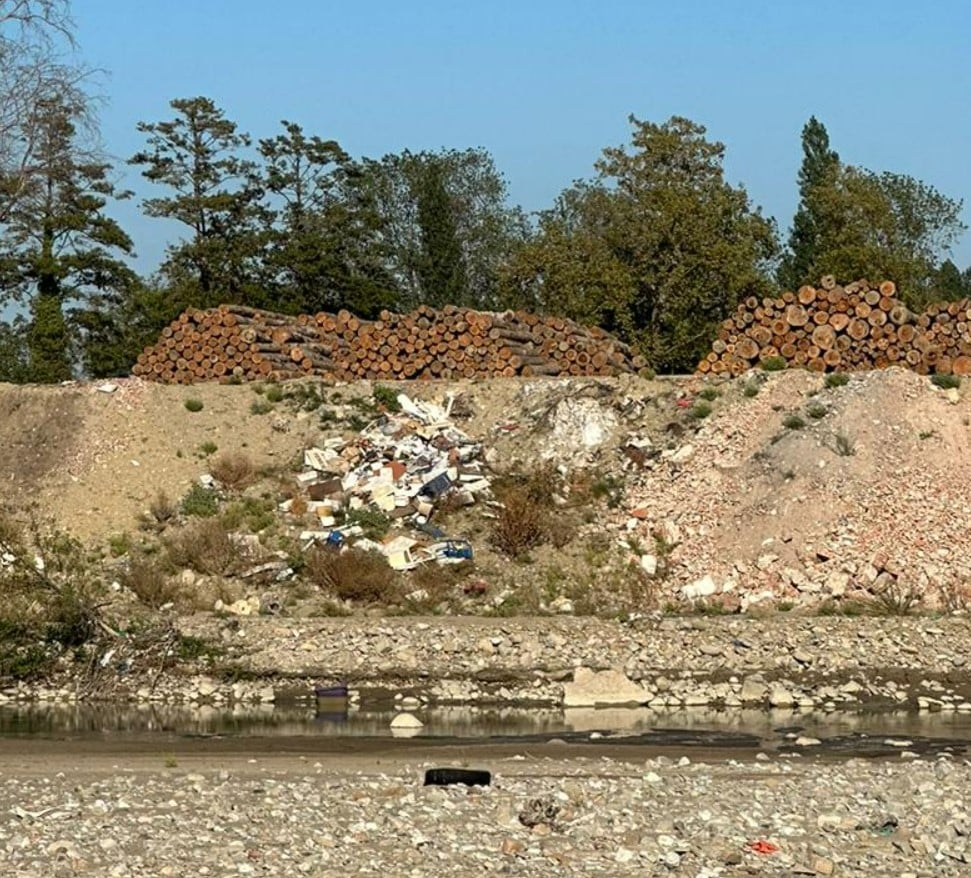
946,382
709,393
751,388
373,522
817,410
793,422
819,162
190,649
700,410
352,575
260,407
199,502
204,545
386,397
659,248
274,393
193,405
252,514
837,379
59,247
208,448
774,364
609,488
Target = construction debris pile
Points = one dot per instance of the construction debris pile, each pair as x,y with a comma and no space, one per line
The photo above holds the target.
399,468
235,342
847,328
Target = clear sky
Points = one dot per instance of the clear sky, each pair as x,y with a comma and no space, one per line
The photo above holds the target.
545,85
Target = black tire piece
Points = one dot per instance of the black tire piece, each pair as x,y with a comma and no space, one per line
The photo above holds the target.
443,777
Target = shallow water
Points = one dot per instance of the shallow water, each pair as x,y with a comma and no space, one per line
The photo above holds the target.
858,732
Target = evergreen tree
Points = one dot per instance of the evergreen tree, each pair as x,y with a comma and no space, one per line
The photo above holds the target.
819,164
59,251
441,267
325,249
196,155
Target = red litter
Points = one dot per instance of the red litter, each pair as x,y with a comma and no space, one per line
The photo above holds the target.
762,847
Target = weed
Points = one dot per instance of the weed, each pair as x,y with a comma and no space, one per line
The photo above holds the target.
710,394
119,544
162,508
208,448
946,382
171,762
897,598
193,405
817,410
523,522
785,606
793,422
373,522
774,364
844,444
200,502
233,471
700,410
837,379
356,423
387,397
274,393
204,546
609,488
926,434
189,648
751,389
260,407
254,514
352,575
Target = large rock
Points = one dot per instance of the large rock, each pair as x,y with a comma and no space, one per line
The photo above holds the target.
590,688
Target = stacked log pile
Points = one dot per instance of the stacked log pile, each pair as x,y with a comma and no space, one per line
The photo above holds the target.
846,328
238,343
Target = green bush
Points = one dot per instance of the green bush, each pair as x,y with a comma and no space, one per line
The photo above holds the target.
700,410
373,522
946,382
751,389
710,394
774,364
387,397
817,410
208,448
352,575
260,407
793,422
837,379
193,405
274,393
200,502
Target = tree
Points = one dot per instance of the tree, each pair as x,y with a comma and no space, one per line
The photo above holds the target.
59,249
950,283
441,265
659,248
196,155
819,162
421,197
324,245
36,67
884,226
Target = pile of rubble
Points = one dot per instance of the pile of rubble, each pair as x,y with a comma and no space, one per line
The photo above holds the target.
401,466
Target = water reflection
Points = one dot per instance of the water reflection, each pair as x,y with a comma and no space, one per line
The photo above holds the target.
374,720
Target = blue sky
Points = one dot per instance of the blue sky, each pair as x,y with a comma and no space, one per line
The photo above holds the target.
546,85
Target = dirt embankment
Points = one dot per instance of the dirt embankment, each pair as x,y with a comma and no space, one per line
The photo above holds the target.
792,489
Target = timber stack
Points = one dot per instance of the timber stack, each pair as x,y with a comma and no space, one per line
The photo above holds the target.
233,342
845,328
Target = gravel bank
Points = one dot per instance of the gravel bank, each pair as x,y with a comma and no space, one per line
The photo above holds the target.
593,817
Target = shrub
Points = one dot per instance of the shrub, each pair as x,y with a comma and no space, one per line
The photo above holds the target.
817,410
193,405
774,364
946,382
700,410
208,448
374,523
793,422
710,394
162,509
522,522
204,546
837,379
751,389
351,575
387,397
845,446
200,502
274,393
149,582
233,471
260,407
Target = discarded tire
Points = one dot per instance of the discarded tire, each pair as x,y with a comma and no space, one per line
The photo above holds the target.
443,777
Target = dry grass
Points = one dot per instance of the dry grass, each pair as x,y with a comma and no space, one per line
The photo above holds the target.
204,545
524,520
150,583
352,575
234,471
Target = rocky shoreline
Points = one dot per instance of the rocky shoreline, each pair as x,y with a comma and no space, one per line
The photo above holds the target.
783,661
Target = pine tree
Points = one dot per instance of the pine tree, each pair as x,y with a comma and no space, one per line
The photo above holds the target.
441,266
